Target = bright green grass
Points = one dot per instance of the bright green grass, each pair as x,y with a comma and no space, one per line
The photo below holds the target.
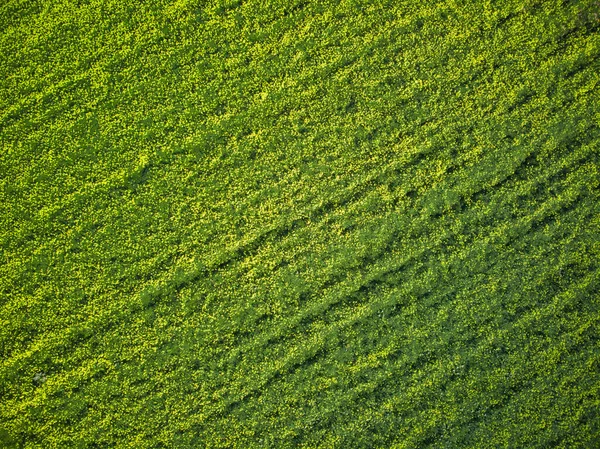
299,224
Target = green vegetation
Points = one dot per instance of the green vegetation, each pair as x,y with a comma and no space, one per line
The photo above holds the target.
333,224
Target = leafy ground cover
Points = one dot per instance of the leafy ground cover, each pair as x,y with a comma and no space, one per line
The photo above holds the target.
333,224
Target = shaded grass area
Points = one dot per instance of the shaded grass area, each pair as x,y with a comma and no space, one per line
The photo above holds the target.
333,224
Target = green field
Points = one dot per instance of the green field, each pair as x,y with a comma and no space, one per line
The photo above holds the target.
299,224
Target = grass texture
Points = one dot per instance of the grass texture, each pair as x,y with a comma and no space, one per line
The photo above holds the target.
329,224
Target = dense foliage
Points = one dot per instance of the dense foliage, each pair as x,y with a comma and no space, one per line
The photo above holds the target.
332,224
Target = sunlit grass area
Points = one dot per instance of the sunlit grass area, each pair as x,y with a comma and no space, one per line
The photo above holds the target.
331,224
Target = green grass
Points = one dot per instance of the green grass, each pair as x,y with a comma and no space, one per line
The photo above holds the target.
304,224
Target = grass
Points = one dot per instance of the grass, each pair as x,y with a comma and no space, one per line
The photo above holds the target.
336,224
